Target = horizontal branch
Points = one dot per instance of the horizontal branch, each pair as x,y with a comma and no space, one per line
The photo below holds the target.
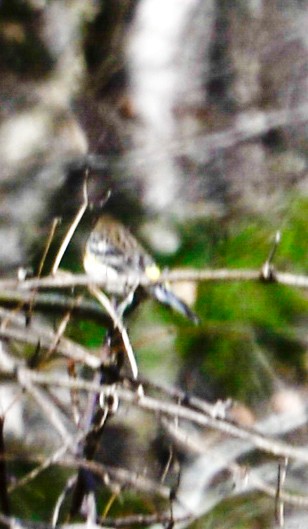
120,522
223,274
51,303
123,477
258,440
145,520
45,339
68,280
179,411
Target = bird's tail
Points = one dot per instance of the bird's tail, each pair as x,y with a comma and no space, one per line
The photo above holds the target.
166,297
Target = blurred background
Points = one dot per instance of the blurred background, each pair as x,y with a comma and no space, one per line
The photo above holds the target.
193,113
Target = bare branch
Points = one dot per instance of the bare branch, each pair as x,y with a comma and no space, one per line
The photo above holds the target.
65,347
51,412
69,280
279,505
125,478
72,229
260,441
4,498
143,520
51,303
47,245
105,302
248,478
127,521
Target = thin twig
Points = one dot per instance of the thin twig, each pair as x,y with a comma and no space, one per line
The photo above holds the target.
106,303
279,504
48,461
31,301
167,465
61,329
267,268
145,520
75,400
72,229
195,444
109,504
4,497
112,475
51,412
47,245
50,303
65,346
56,512
260,441
129,521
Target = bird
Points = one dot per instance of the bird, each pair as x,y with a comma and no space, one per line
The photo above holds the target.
113,254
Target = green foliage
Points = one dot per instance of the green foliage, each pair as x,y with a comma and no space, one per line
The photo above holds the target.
88,333
250,332
43,492
241,512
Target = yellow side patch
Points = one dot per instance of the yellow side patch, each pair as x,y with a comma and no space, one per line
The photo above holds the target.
153,272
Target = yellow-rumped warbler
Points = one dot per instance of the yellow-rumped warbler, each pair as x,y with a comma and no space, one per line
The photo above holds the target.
113,254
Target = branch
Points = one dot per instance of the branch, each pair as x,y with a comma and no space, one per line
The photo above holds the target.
72,228
45,338
50,303
123,477
68,280
157,406
144,520
118,324
247,477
